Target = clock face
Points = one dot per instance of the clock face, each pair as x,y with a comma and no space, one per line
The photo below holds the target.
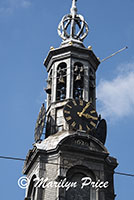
80,115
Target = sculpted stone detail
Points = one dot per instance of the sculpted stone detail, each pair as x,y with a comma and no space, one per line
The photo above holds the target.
82,143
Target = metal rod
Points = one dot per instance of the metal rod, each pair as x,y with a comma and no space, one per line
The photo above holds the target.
113,54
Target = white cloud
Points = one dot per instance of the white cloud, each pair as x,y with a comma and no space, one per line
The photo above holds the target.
116,97
5,10
25,3
8,6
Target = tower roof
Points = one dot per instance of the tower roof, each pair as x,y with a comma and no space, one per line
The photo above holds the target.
73,26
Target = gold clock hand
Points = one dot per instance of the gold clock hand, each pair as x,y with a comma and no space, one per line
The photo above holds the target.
90,116
84,109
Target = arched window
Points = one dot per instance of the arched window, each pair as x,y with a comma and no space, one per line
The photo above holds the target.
78,193
61,81
31,195
75,174
78,77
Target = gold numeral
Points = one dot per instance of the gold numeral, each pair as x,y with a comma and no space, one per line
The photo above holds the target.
74,103
73,124
69,106
81,102
68,118
93,111
93,124
88,128
80,127
66,111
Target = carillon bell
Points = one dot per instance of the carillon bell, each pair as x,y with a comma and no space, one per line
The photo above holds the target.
61,70
76,68
78,80
61,82
81,69
48,89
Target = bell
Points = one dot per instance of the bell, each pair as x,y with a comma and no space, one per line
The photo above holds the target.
59,70
76,68
78,80
61,82
63,71
48,89
81,69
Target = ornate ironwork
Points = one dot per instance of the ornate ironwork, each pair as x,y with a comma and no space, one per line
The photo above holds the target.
77,24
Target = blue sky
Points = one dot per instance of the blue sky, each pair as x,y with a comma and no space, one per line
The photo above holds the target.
28,28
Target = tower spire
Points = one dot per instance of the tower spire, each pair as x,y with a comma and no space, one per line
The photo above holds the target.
73,147
72,22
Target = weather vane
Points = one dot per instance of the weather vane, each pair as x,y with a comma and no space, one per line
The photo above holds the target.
72,22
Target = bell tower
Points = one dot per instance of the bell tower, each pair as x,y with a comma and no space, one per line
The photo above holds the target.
73,149
71,70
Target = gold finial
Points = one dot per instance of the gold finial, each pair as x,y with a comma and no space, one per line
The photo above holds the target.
51,48
90,47
70,42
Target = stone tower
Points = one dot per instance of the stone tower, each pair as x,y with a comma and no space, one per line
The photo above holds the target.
71,163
